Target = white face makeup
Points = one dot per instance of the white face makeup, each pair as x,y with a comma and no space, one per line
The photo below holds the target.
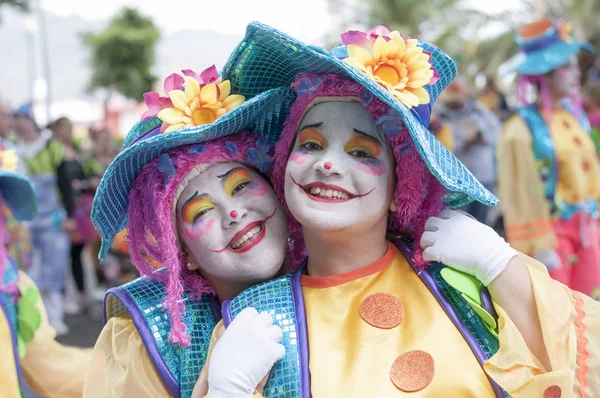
340,173
232,224
564,81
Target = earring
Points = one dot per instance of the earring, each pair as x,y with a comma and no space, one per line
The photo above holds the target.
189,266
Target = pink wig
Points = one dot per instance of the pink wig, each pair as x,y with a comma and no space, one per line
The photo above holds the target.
418,193
152,235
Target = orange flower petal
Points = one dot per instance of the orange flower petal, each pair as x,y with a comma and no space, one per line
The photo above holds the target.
224,90
171,115
180,100
232,101
208,94
192,88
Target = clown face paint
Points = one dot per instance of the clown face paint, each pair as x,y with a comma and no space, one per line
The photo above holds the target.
565,81
338,173
232,224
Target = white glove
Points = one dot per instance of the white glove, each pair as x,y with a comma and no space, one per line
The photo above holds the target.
461,242
244,355
549,258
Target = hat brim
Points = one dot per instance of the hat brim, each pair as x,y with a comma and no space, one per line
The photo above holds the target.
548,58
18,195
259,114
267,58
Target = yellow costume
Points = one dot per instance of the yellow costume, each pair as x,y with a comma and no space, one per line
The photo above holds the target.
527,217
50,369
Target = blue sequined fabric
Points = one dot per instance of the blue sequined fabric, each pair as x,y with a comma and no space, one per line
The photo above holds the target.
275,297
184,364
267,58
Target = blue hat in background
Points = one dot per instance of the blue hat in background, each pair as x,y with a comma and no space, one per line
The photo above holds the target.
17,191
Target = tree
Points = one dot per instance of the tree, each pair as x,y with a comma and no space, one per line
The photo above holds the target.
123,54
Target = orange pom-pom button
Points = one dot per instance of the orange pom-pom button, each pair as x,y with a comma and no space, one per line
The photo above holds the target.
382,310
412,371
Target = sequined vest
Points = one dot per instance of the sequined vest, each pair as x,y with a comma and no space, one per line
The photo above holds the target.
178,367
282,298
9,309
545,155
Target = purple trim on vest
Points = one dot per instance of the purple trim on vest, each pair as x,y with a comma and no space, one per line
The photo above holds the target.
301,330
144,330
13,338
433,287
486,300
539,44
215,307
226,312
148,134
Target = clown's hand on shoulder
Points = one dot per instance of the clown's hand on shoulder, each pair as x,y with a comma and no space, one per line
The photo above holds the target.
244,355
461,242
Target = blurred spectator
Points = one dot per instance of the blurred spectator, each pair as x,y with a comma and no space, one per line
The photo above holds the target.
443,132
493,99
49,239
476,130
77,186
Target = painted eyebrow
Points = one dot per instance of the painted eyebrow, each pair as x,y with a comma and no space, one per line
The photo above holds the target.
368,136
224,176
311,126
194,196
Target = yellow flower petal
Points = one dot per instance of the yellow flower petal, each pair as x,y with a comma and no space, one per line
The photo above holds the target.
171,115
173,127
208,94
419,78
359,54
180,100
192,88
408,98
421,94
203,116
224,90
395,35
232,101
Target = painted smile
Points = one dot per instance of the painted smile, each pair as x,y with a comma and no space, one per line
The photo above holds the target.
247,238
320,192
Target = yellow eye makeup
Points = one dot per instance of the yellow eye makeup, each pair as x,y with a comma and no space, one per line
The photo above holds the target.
362,143
235,178
312,135
194,207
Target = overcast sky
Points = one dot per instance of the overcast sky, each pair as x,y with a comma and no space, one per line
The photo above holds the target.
307,20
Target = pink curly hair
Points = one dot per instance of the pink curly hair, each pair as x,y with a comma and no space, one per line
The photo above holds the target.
418,193
152,235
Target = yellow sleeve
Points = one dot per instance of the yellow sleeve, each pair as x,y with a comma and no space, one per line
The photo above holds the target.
50,368
201,388
121,366
571,330
527,219
446,137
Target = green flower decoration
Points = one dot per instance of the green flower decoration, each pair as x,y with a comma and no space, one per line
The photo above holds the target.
29,319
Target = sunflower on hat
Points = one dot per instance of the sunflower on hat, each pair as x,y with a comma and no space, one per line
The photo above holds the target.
395,62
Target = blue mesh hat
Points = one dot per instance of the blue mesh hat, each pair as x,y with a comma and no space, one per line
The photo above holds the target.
545,45
267,58
17,191
147,141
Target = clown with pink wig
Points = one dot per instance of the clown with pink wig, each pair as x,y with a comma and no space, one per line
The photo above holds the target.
399,294
31,360
549,172
203,224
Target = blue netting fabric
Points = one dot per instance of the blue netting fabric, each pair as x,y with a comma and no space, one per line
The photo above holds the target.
263,114
275,297
267,58
184,364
